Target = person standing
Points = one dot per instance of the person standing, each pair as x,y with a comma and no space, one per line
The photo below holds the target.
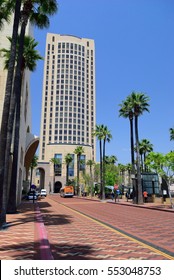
145,195
117,193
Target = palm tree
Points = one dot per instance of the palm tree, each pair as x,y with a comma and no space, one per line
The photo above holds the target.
56,163
171,130
126,111
139,105
37,11
144,147
6,8
110,159
90,163
106,138
5,113
68,160
98,133
30,57
78,151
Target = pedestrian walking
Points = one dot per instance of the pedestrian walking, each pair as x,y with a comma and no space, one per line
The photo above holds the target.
145,195
117,193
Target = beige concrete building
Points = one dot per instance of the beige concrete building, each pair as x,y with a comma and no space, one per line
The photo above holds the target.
28,142
68,107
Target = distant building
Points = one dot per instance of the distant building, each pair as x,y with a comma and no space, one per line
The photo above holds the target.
68,107
28,142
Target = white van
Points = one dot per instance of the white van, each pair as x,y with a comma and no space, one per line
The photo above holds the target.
43,192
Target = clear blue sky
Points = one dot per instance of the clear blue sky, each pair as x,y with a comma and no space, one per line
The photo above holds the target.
134,42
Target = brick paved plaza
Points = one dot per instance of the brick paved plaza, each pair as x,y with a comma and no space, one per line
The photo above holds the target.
85,229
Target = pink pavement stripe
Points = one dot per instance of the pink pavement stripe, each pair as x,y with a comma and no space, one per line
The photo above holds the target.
44,243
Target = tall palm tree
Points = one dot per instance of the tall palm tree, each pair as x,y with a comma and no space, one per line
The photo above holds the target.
106,138
5,113
126,111
139,105
171,130
78,151
68,160
98,132
90,163
38,12
30,57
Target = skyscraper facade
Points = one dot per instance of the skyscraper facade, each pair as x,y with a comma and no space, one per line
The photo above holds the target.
68,105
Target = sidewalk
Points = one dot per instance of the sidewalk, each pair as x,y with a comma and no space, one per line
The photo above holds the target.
149,205
25,236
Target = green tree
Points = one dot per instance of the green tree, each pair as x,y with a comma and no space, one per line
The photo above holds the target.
6,8
38,12
56,163
32,166
103,135
99,134
163,165
106,138
68,160
91,163
5,114
30,57
139,105
110,159
145,147
78,151
126,111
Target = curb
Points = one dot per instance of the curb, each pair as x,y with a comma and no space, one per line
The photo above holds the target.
44,247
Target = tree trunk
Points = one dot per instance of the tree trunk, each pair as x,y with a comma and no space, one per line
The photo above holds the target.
132,145
67,171
139,185
103,191
101,170
17,95
78,173
5,114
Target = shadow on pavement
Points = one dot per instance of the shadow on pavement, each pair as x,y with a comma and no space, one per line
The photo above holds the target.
71,251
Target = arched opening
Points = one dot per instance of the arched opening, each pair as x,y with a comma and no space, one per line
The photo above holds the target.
57,187
40,178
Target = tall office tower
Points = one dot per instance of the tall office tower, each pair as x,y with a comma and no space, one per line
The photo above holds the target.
68,104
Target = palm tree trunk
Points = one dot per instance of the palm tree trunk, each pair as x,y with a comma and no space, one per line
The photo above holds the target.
101,170
78,170
132,145
139,185
11,206
132,159
5,114
103,191
67,175
17,96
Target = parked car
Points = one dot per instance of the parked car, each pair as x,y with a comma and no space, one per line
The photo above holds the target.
43,192
31,194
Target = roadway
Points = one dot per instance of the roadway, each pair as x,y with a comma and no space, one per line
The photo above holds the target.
93,230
